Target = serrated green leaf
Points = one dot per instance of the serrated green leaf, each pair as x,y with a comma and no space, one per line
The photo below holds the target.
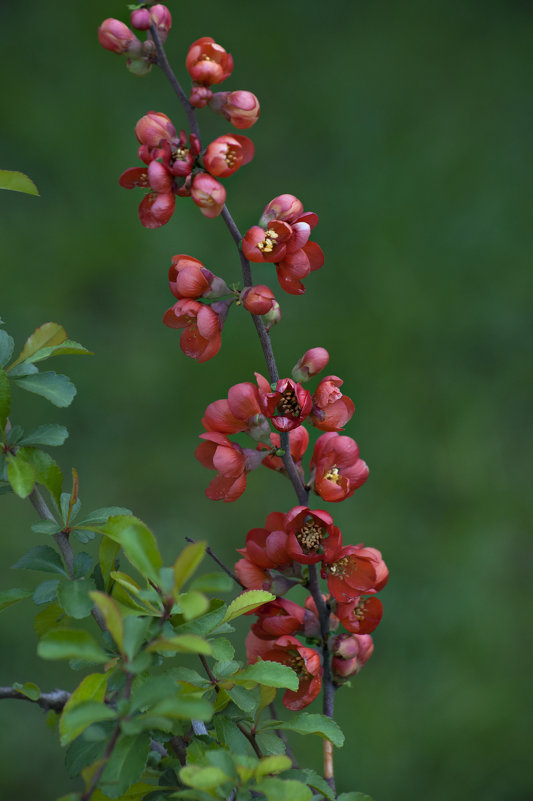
67,348
222,649
273,674
244,699
6,348
17,182
246,601
269,743
55,387
50,435
91,690
186,564
47,335
47,471
10,597
272,764
45,592
284,790
74,597
212,583
43,558
203,778
126,764
112,616
71,644
185,643
307,723
138,543
74,721
5,398
20,474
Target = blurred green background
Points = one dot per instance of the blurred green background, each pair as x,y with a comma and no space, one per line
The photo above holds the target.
407,127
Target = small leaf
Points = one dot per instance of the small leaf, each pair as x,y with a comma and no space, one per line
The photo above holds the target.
46,527
6,348
186,564
135,632
266,697
247,601
9,597
17,182
193,604
50,435
45,592
138,544
307,723
212,583
100,516
83,564
222,649
107,554
67,348
272,764
181,707
126,764
76,719
5,398
46,335
71,644
311,778
74,597
91,688
273,674
153,690
47,471
203,778
56,388
20,474
43,558
186,643
284,790
49,618
112,616
28,689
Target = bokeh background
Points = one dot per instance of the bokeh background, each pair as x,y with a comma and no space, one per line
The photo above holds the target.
407,127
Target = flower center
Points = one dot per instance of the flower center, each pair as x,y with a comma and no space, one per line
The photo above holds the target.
333,474
180,153
310,536
288,404
267,245
359,611
297,663
339,568
231,156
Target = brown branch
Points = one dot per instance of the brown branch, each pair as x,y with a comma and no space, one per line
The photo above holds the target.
56,699
220,563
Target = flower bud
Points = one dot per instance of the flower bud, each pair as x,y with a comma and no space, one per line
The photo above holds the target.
207,62
273,317
140,19
311,363
257,299
162,19
200,96
350,653
344,668
241,108
115,36
138,66
153,128
284,207
208,194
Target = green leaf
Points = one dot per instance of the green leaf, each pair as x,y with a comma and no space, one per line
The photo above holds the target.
269,743
273,674
266,697
47,471
314,780
222,649
76,719
6,348
17,182
28,689
354,797
100,516
50,435
212,583
71,644
67,348
112,616
203,778
9,597
193,604
81,753
272,764
5,398
49,618
244,699
83,564
56,388
46,527
45,592
138,544
183,707
47,335
307,723
107,554
185,643
20,474
43,558
229,734
208,622
186,564
74,597
284,790
126,764
153,690
247,601
135,632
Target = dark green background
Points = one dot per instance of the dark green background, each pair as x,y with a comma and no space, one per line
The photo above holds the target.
407,127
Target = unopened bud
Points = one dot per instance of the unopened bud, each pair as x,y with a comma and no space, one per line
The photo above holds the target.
272,317
200,96
311,363
241,108
138,66
140,19
162,19
257,299
115,36
208,194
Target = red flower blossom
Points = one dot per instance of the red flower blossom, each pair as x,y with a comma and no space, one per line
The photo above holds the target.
201,336
154,128
267,547
277,618
353,570
337,470
310,531
217,452
311,363
331,409
304,661
298,441
287,406
227,153
240,108
207,62
361,615
259,245
188,278
208,194
240,412
350,653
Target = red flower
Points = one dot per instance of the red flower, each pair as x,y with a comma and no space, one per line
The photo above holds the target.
310,531
217,452
208,194
257,299
259,245
207,62
227,153
240,412
240,108
311,363
201,336
188,278
350,653
287,406
298,441
331,409
267,547
353,570
361,615
304,661
277,618
336,467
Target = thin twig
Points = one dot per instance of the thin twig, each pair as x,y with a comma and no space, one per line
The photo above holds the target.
56,699
220,563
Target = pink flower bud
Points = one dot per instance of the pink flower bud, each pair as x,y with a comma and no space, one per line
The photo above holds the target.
115,36
311,363
208,194
241,108
200,96
350,653
140,19
257,299
162,19
284,207
273,317
153,128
